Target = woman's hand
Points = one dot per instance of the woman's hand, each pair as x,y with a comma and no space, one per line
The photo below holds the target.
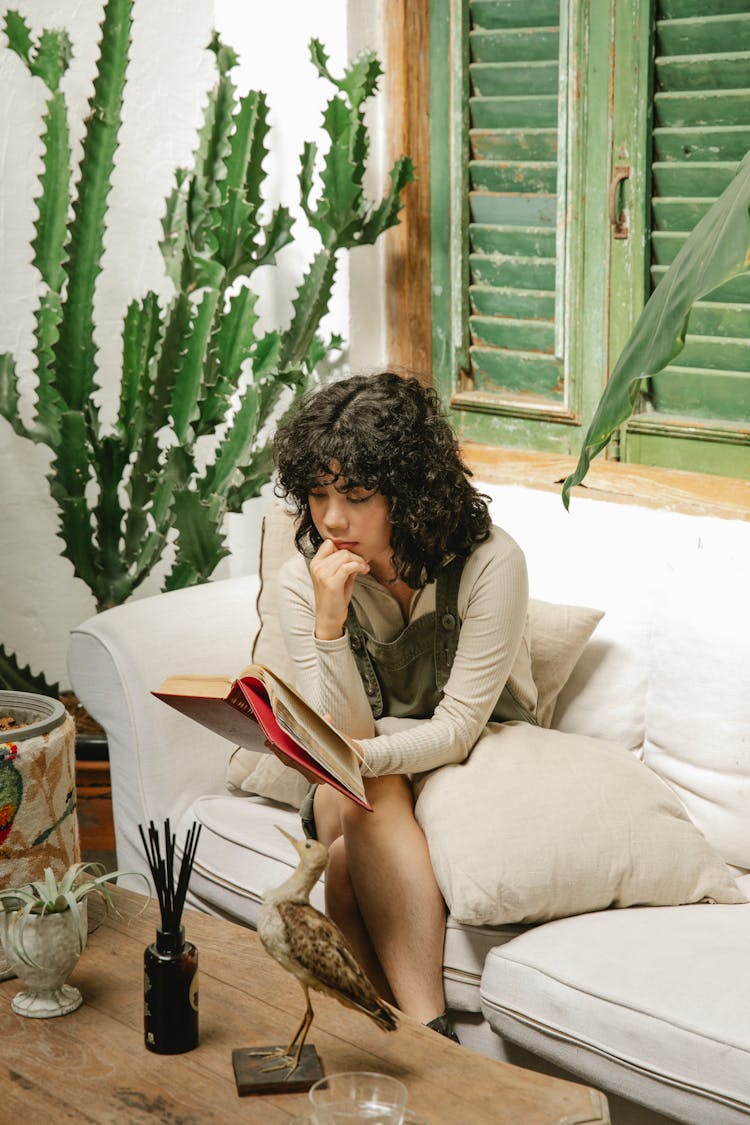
287,761
333,572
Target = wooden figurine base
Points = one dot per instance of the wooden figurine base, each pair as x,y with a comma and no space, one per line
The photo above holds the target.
252,1075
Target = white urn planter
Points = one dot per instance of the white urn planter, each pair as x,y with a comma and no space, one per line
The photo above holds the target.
43,956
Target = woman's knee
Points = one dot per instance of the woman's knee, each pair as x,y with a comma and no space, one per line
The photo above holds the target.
389,796
340,896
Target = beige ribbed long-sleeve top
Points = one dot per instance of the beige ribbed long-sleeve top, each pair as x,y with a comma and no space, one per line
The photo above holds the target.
492,649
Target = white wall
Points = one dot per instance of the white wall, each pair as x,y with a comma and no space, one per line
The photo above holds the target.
170,70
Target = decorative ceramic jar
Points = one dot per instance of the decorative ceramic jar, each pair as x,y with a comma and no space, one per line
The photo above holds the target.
42,950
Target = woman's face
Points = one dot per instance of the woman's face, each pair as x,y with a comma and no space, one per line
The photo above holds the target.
356,521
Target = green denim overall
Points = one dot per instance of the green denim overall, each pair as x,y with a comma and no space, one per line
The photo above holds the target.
405,677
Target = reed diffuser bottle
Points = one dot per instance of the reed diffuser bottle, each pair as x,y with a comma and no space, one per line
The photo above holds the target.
170,963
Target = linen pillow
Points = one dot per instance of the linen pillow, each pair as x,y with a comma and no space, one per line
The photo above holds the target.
557,637
537,824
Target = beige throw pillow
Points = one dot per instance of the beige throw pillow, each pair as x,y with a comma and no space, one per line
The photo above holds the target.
557,637
537,824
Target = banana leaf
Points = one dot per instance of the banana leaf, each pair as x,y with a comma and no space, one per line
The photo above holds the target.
716,250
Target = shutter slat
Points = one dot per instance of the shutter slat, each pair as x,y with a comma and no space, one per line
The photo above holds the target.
718,319
703,72
715,353
683,9
525,44
736,291
531,304
705,35
489,14
690,391
677,214
516,372
703,107
700,180
505,332
514,113
516,273
514,176
518,211
513,144
491,80
729,143
513,241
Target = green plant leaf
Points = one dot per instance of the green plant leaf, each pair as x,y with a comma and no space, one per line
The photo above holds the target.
19,35
342,203
188,383
49,404
75,350
68,481
360,79
200,545
53,200
311,304
252,478
235,450
386,214
232,345
240,188
9,400
14,677
717,249
140,342
174,226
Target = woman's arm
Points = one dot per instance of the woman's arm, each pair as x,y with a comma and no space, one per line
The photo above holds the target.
324,670
493,601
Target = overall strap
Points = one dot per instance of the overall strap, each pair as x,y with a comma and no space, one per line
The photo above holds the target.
364,664
447,625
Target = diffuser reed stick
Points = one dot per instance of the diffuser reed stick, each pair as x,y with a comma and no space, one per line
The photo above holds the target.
171,898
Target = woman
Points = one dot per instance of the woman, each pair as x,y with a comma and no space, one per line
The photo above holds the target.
404,616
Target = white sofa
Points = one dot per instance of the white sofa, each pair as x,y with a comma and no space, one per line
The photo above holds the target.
651,1005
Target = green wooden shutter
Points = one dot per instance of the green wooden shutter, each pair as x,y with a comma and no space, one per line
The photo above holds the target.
698,410
514,76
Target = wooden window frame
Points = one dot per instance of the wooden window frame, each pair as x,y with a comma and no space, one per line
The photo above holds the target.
409,304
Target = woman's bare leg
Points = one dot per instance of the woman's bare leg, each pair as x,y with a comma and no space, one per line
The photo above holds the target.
399,903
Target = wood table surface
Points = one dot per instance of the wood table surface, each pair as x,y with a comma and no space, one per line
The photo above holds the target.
92,1065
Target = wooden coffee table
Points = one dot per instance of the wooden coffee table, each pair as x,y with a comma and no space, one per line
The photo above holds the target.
92,1065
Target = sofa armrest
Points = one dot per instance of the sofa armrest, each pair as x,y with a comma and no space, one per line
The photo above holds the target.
160,761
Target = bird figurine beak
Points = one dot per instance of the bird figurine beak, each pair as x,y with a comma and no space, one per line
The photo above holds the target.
296,844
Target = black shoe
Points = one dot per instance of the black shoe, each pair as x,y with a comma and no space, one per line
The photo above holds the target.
442,1026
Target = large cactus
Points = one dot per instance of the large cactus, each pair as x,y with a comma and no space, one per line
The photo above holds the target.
194,367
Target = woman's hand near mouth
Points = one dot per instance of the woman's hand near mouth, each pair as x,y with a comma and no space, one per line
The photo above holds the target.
333,571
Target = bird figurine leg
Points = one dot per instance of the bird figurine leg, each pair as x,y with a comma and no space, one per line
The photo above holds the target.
284,1057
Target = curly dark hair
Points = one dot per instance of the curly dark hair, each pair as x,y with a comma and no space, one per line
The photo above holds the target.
387,433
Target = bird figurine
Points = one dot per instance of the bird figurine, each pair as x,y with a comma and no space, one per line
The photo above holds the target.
310,946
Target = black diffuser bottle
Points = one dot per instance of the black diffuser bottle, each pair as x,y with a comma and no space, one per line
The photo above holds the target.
170,964
170,993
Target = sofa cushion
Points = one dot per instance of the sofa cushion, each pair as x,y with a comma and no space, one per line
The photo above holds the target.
651,1003
557,637
698,706
537,824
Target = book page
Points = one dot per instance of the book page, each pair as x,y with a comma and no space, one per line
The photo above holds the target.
333,749
205,687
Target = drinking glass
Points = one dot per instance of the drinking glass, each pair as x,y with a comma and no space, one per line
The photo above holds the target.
358,1096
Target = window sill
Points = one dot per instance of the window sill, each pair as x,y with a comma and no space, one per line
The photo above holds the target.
670,489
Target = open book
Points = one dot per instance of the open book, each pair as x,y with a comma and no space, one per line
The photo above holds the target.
232,708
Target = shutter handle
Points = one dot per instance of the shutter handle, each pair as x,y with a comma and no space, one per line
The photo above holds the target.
618,223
